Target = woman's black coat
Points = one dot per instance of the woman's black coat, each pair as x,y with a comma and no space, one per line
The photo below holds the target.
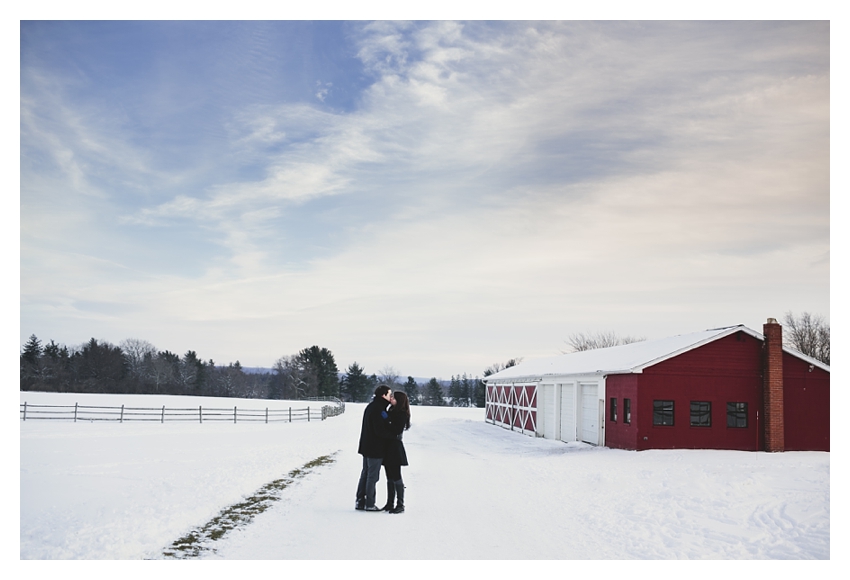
395,454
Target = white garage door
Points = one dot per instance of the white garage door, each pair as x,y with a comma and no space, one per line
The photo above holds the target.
546,404
589,413
568,412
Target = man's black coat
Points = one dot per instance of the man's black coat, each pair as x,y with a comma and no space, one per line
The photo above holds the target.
375,433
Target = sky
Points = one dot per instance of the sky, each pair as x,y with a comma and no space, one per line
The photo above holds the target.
431,196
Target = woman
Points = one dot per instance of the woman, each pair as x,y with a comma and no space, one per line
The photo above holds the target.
399,421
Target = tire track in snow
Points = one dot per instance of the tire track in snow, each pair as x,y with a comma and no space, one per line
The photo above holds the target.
200,539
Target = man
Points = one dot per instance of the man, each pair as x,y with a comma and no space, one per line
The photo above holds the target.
374,435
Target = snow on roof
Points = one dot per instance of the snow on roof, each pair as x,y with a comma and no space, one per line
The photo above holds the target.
627,358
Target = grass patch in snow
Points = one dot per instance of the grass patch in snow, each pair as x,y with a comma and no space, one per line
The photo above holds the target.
198,540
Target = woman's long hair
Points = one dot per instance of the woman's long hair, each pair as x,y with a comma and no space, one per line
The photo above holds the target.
402,407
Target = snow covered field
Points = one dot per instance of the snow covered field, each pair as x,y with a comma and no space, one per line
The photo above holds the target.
474,492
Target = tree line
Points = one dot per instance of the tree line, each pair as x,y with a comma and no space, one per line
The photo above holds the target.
462,390
133,367
137,367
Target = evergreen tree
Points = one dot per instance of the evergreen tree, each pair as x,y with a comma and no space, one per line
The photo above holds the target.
434,393
100,367
479,393
356,384
323,366
56,368
455,392
466,390
190,373
31,368
411,388
32,350
51,350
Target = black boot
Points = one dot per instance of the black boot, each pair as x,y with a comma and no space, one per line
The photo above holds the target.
399,491
390,497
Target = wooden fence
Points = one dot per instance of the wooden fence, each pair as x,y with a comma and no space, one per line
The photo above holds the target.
162,414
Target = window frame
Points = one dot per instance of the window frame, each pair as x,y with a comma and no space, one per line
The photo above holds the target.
734,415
612,410
701,413
661,413
627,411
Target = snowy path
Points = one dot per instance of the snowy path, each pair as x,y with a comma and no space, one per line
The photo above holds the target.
474,491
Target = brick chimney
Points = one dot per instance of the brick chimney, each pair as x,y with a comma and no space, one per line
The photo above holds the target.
774,399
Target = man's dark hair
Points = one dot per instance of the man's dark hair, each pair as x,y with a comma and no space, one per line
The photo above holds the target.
382,390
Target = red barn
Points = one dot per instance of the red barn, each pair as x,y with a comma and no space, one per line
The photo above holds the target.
725,388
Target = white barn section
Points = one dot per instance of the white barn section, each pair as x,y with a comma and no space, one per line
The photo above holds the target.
562,408
572,410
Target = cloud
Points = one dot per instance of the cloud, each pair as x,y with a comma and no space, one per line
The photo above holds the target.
496,184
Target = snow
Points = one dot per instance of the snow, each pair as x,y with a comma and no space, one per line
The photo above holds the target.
475,491
626,358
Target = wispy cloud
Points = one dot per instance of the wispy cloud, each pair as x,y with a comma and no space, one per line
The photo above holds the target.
512,178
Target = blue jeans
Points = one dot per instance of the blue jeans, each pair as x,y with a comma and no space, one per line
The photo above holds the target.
369,476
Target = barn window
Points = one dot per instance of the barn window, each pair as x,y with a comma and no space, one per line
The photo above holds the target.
700,414
627,411
736,415
613,409
662,412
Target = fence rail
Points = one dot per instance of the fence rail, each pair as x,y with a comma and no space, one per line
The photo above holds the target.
162,414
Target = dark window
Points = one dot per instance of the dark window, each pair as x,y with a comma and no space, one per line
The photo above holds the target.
662,412
627,411
614,410
700,414
736,415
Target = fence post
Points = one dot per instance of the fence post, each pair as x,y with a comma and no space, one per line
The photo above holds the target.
75,412
25,410
267,415
234,414
308,414
163,414
290,414
200,414
121,418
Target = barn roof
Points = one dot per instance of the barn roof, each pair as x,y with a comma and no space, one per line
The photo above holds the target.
627,358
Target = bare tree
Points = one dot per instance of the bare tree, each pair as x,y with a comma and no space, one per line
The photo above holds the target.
593,340
388,376
807,333
294,378
163,370
138,353
496,367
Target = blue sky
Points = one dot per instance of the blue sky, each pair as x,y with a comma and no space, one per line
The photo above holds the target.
431,196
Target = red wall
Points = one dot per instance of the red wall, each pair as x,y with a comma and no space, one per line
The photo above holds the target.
619,434
725,370
806,405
